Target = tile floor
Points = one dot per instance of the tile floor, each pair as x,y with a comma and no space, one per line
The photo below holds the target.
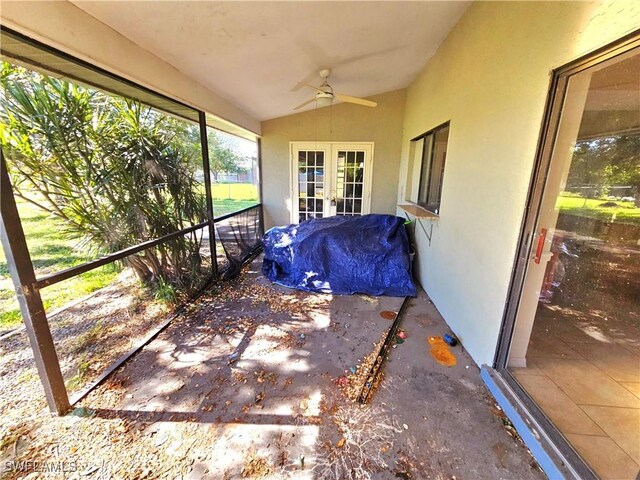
586,378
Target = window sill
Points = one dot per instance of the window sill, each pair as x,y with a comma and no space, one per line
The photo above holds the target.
419,212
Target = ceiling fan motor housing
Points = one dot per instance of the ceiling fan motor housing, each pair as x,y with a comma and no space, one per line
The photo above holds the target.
324,96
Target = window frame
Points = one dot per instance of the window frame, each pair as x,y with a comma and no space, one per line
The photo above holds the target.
426,184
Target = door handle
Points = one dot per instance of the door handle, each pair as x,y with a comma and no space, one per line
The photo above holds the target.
540,247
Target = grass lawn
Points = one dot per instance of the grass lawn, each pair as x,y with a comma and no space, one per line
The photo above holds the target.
624,212
231,197
222,207
51,251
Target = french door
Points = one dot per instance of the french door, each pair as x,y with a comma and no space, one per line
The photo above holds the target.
330,179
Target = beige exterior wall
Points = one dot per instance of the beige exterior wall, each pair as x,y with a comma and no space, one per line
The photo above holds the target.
64,26
490,79
339,123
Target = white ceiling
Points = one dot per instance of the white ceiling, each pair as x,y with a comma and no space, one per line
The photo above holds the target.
255,53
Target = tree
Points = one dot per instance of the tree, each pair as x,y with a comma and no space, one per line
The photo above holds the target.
222,157
115,171
605,162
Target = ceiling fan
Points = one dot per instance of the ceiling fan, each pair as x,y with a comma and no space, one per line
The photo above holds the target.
325,95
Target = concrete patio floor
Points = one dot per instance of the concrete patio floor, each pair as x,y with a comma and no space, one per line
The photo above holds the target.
245,385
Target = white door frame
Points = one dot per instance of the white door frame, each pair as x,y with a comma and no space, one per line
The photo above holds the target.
330,150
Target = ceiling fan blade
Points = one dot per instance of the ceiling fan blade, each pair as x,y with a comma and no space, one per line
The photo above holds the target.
305,81
314,87
356,100
305,104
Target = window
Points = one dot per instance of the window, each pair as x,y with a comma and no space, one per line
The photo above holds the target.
429,152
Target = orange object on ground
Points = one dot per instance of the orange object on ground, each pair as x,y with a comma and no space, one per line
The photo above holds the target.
440,351
388,315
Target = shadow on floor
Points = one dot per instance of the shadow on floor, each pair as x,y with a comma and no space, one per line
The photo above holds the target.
246,384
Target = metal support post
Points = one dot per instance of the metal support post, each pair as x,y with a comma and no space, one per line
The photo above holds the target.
24,280
260,193
204,142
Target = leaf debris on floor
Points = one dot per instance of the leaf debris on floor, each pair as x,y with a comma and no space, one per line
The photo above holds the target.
180,408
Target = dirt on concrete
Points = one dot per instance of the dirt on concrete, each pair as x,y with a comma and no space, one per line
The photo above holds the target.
249,384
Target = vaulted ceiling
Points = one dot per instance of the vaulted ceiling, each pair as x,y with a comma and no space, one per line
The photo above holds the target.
256,54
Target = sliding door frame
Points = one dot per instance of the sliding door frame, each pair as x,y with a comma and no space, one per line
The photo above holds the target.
551,436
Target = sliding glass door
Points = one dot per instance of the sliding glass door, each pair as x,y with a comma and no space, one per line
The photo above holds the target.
575,344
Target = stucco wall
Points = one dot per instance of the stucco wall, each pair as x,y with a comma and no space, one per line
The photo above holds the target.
64,26
490,79
340,123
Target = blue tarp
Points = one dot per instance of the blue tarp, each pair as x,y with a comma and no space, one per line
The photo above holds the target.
342,255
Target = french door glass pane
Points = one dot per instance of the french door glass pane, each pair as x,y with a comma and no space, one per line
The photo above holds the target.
576,343
311,174
350,182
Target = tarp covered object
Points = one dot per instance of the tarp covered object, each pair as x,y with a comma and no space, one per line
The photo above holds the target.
343,255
